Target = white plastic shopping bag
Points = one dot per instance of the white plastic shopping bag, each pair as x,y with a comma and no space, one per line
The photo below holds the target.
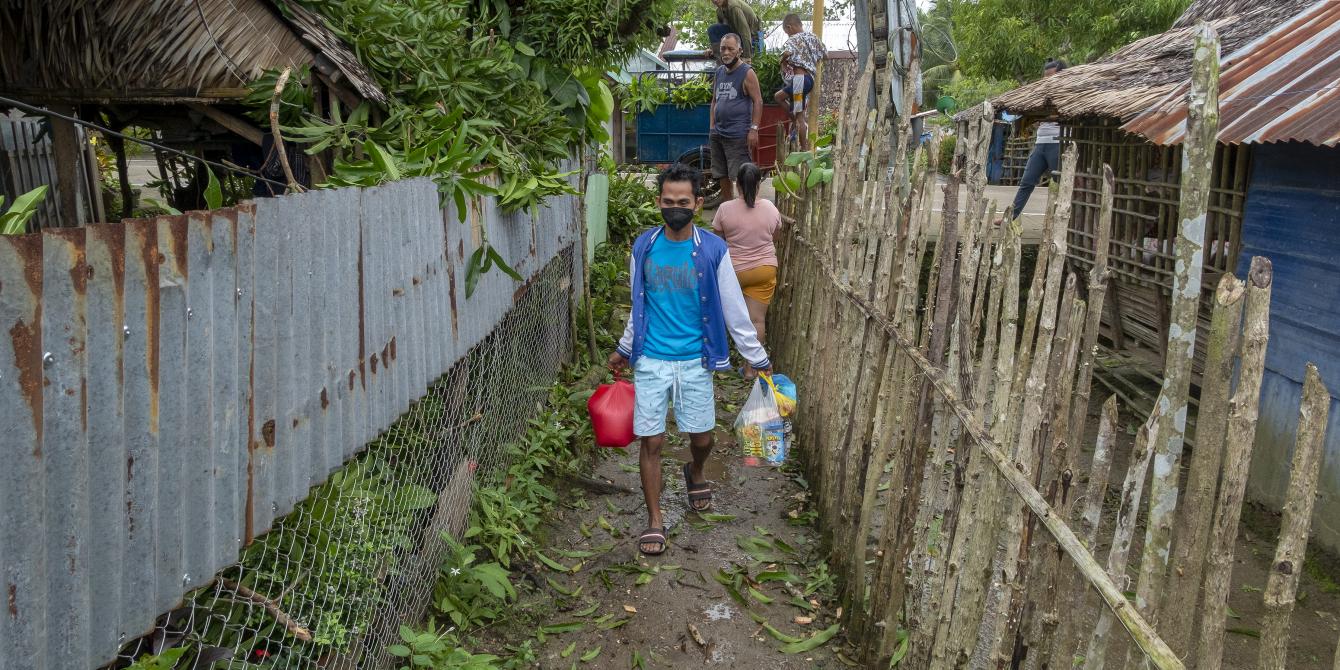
759,428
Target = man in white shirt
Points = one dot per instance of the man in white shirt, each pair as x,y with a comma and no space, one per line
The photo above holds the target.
1046,155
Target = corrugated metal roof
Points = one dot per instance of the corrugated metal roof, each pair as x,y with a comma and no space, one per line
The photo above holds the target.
1130,80
1284,86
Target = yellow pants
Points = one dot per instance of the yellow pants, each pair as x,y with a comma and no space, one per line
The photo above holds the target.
759,283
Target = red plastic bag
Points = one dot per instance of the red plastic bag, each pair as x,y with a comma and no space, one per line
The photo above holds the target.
611,410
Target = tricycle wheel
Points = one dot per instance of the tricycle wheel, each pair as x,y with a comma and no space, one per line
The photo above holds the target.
701,158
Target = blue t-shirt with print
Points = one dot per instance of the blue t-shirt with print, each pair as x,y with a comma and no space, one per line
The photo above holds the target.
671,292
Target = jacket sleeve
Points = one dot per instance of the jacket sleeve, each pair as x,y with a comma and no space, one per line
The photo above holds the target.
625,347
736,314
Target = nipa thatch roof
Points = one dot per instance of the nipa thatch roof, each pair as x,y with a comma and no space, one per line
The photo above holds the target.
163,50
1135,77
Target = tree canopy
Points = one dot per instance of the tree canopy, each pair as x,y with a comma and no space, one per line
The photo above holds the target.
1012,39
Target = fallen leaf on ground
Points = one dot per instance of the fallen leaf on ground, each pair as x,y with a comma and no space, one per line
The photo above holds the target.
804,620
630,609
697,637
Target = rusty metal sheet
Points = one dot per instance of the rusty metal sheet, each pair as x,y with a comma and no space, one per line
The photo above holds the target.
159,438
23,565
174,434
1282,87
266,325
65,445
139,392
219,230
243,273
198,443
104,259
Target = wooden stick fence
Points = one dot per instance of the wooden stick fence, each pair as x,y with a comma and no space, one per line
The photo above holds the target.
931,385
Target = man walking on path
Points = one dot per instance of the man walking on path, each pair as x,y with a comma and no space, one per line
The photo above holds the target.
742,21
800,61
686,299
736,111
1046,155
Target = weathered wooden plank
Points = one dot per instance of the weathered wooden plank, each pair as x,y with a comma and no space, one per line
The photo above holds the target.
1286,569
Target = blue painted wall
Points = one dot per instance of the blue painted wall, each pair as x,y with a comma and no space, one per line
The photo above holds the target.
1293,217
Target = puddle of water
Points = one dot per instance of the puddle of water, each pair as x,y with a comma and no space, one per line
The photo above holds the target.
719,612
717,468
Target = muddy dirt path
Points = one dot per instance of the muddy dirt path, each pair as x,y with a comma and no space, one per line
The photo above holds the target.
673,610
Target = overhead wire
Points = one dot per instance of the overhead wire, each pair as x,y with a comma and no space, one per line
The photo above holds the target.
159,147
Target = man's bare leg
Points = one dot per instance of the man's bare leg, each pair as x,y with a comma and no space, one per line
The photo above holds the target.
649,467
700,445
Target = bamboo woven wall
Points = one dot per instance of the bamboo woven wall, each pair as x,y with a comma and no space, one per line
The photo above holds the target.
1144,224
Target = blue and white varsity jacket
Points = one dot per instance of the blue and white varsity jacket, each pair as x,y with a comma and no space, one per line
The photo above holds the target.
721,303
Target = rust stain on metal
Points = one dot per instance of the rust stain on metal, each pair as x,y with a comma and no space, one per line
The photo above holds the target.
177,238
416,281
13,598
1280,87
130,475
362,310
150,258
393,354
83,402
372,361
26,338
325,399
268,433
451,293
397,292
114,238
386,355
295,422
353,376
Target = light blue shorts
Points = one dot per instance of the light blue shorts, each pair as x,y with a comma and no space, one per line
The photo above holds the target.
685,383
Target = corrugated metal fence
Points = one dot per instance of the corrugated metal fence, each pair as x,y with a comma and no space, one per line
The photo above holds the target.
171,387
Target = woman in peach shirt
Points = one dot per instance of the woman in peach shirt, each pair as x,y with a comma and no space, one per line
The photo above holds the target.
748,224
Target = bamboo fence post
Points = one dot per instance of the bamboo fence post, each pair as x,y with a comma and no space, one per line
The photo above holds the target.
1051,570
968,552
1282,586
1095,493
974,635
1036,388
1097,292
1140,631
886,287
1131,490
1167,425
1237,461
1197,507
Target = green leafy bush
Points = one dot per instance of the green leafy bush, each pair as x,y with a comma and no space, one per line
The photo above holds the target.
947,153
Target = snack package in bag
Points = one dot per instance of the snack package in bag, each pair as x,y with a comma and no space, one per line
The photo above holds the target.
785,391
759,428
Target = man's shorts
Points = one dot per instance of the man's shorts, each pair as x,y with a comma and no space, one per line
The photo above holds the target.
806,82
687,384
728,154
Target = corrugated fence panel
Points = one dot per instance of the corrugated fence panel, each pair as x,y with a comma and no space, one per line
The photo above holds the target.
22,529
171,387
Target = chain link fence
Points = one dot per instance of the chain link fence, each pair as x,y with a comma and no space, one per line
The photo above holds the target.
330,585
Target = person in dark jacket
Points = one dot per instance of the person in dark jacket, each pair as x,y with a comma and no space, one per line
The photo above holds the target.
686,302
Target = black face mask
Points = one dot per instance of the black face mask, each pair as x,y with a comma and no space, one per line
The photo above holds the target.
677,217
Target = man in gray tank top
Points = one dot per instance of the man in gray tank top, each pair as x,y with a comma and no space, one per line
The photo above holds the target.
737,110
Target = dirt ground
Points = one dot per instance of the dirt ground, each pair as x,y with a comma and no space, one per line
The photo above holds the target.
673,610
1316,617
657,603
